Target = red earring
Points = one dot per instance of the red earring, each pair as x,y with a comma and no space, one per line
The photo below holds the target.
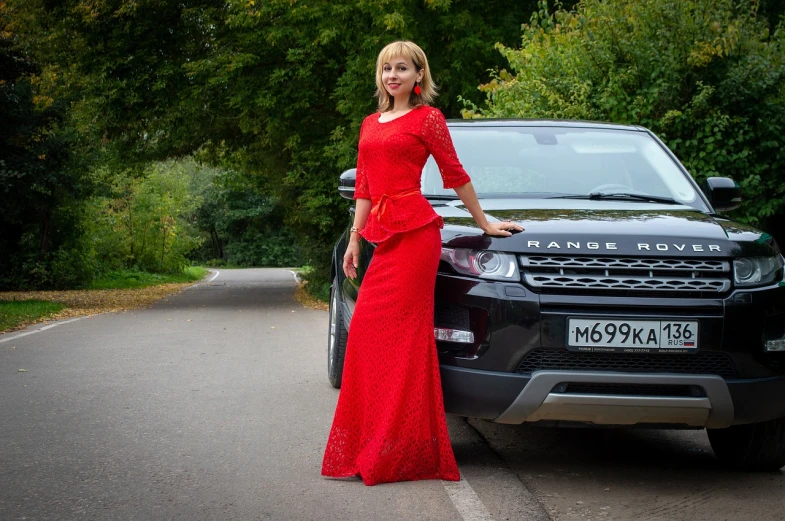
417,89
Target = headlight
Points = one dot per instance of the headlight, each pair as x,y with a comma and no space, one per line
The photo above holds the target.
756,271
481,263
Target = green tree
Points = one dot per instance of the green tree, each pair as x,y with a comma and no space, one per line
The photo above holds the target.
280,87
242,225
148,222
706,75
42,182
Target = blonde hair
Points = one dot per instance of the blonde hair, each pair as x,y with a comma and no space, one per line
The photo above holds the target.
413,52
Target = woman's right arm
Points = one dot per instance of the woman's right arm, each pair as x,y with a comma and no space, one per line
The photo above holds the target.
352,255
362,198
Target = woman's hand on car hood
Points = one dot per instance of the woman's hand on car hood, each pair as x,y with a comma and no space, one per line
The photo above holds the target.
502,229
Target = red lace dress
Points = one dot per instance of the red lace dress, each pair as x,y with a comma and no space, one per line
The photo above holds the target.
389,423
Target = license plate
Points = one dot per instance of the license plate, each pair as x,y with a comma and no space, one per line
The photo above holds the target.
632,336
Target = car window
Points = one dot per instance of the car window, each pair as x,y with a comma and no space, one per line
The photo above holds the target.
543,161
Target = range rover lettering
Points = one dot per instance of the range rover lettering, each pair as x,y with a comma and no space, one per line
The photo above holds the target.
627,301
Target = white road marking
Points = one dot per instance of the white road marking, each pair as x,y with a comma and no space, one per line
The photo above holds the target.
50,326
214,276
294,274
466,501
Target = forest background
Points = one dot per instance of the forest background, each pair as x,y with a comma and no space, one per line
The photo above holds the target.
152,134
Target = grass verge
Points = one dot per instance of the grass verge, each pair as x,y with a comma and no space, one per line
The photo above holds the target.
115,292
129,279
16,312
311,292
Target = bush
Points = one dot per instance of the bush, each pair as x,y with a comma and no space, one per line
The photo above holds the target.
256,249
705,75
146,220
68,261
215,263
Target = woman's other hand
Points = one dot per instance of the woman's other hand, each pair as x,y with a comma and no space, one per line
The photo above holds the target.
502,229
351,258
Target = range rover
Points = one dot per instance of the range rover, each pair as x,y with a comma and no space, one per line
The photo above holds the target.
629,300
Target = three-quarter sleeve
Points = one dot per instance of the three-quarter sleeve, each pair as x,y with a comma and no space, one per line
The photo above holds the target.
436,137
361,190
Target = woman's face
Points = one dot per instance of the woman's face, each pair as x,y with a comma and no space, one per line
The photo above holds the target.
399,76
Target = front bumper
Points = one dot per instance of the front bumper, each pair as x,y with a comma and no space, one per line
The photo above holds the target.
516,398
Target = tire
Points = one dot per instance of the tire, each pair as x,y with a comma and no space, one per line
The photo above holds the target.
336,338
753,447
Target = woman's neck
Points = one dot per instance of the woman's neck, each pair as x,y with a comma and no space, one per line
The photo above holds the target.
402,106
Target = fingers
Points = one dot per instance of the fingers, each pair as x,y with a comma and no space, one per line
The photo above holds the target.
510,226
506,229
350,268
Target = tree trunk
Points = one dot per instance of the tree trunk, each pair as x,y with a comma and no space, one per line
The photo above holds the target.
131,230
217,248
45,226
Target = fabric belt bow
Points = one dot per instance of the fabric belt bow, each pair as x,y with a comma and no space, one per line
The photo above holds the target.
382,204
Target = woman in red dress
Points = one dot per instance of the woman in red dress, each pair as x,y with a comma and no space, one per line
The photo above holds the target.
390,423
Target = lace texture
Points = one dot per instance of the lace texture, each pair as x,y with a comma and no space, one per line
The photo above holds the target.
390,161
390,424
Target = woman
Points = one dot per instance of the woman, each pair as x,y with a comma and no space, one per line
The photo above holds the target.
389,423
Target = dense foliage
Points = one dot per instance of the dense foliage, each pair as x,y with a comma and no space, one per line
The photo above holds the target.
145,219
274,89
98,96
706,75
240,225
42,178
160,218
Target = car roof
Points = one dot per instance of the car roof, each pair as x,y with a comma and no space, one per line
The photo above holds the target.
525,122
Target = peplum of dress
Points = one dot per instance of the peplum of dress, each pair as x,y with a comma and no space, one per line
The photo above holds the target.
390,423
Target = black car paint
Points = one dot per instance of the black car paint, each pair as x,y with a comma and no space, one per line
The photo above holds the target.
602,223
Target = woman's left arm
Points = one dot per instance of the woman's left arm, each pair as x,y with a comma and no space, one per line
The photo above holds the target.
470,201
437,139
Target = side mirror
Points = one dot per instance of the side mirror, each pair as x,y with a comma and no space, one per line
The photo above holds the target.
346,183
723,192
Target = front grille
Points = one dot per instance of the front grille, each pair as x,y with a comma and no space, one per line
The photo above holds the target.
638,276
629,389
702,362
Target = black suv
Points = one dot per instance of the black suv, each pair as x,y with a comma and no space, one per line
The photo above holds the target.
626,301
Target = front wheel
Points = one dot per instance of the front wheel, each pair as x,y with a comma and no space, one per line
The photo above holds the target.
757,446
336,340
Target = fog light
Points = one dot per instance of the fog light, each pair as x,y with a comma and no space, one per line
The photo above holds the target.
775,345
453,335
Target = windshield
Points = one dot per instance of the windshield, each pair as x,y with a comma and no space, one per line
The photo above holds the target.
546,162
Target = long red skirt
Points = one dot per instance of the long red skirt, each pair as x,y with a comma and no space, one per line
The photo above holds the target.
389,423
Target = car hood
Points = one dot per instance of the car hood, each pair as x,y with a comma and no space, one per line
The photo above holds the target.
567,227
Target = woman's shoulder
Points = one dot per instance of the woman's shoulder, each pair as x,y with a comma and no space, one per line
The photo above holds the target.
431,118
431,114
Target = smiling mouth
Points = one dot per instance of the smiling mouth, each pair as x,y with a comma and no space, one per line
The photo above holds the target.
393,85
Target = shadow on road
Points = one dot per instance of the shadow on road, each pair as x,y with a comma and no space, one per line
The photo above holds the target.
632,474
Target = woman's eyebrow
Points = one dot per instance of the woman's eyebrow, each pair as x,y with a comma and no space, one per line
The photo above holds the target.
399,63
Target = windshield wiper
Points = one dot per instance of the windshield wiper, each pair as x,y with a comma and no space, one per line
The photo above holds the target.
596,196
441,197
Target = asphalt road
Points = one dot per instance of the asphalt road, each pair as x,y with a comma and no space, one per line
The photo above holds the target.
214,405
